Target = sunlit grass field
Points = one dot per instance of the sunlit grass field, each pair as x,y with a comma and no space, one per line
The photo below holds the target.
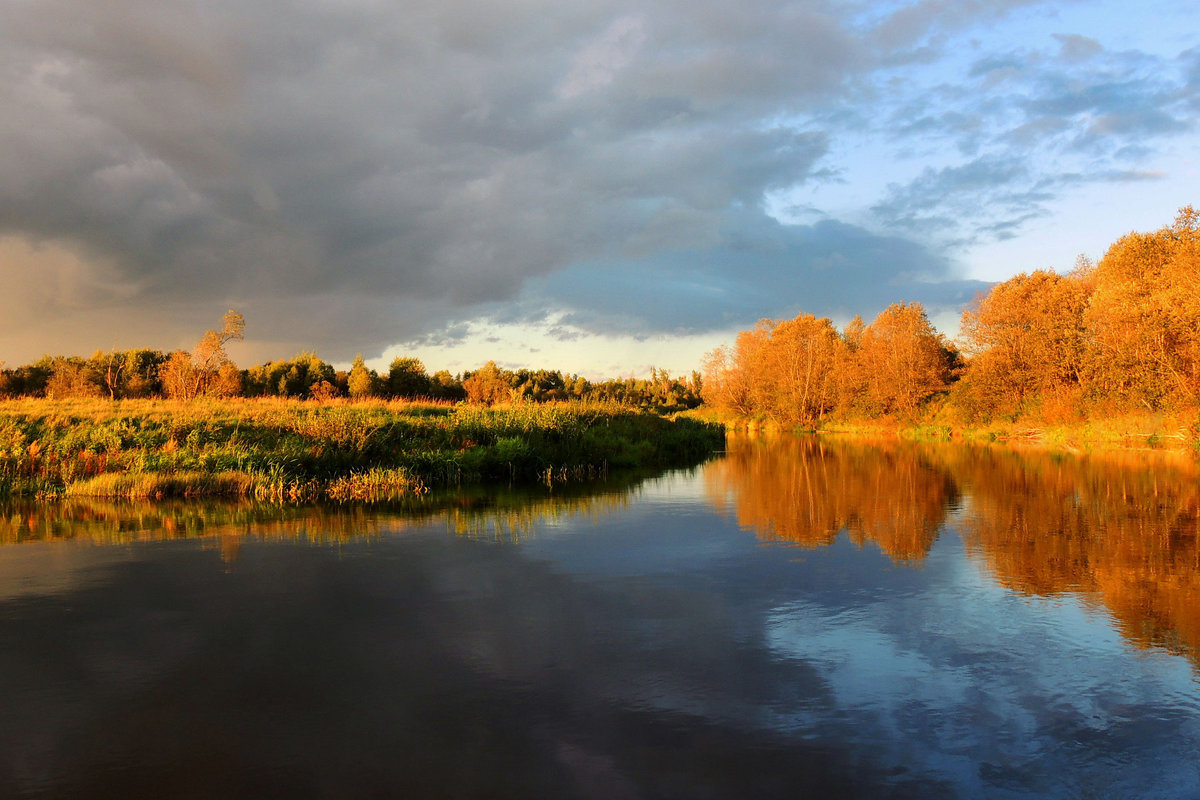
292,451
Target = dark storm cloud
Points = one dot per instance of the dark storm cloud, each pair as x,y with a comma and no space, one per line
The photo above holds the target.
351,175
397,162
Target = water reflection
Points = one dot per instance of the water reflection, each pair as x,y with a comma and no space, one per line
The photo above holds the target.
808,491
1121,528
622,640
502,514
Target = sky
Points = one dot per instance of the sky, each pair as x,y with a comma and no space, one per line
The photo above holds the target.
598,186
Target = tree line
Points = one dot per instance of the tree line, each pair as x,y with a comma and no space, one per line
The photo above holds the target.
1107,338
207,371
1111,337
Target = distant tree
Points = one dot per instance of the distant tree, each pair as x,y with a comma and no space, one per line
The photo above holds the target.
578,386
292,378
73,377
488,385
177,375
200,375
229,382
445,386
407,378
323,391
140,377
30,380
110,367
362,381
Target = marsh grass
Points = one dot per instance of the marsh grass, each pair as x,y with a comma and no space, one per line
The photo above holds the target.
290,451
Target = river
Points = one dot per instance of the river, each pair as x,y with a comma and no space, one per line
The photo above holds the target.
795,618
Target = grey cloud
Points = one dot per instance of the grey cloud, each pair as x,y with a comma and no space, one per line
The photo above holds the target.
913,22
1078,48
352,175
938,198
289,153
759,269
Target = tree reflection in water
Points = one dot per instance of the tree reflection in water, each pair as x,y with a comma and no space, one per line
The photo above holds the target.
807,491
1121,528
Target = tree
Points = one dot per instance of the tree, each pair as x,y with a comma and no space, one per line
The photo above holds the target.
794,372
113,364
323,392
782,370
177,375
362,381
445,386
488,385
729,373
1145,315
901,359
407,378
73,377
188,381
1026,340
293,378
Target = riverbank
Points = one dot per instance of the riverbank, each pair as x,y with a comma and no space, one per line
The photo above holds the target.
1160,431
292,451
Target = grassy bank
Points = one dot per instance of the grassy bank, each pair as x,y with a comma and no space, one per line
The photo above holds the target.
1179,432
283,451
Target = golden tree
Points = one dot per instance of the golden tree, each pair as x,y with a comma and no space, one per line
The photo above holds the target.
1145,315
901,360
1026,339
186,376
794,373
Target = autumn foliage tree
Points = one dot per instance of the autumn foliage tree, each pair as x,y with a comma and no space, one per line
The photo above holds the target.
797,371
1120,336
1144,317
362,382
207,369
488,385
899,361
1028,341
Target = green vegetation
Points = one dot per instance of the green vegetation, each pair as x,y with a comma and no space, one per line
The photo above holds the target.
289,451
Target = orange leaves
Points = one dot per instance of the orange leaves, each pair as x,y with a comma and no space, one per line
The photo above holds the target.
1028,338
795,372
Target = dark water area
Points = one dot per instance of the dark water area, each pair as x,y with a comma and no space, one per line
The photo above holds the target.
797,618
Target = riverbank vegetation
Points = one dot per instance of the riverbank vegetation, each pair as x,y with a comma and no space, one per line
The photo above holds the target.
279,450
1109,350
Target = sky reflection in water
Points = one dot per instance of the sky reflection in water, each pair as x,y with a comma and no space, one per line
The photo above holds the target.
797,617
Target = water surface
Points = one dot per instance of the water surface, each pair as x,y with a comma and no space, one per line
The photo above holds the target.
797,618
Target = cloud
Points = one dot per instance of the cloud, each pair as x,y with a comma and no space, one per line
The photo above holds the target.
1078,48
759,269
597,64
1027,126
358,174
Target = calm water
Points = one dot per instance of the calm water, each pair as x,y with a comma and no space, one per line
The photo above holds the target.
792,620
